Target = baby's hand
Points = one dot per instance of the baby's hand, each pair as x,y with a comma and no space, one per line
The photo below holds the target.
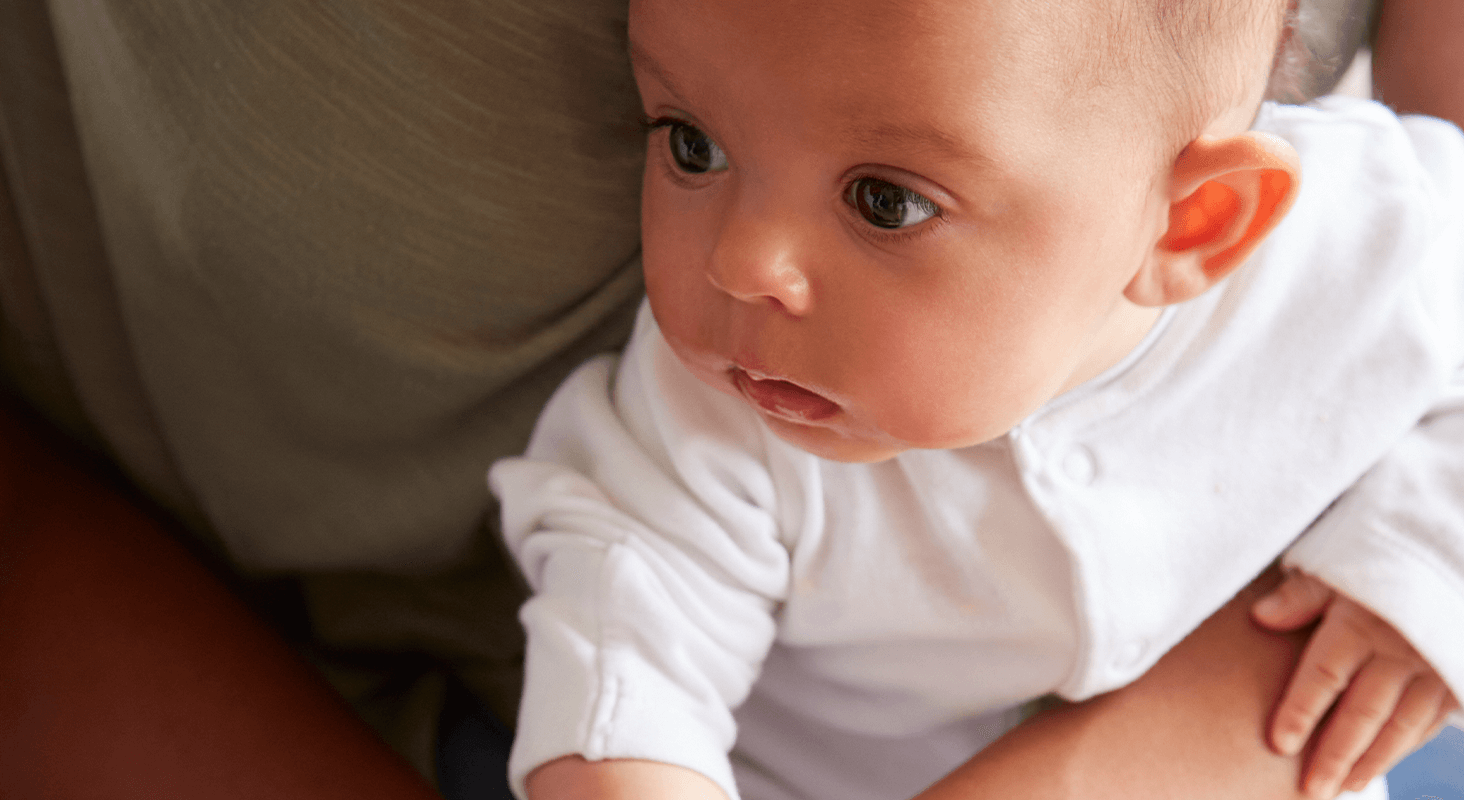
1391,699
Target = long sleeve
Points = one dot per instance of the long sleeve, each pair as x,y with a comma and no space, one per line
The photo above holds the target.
640,517
1395,541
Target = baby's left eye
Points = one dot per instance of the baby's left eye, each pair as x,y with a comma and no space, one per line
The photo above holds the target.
887,205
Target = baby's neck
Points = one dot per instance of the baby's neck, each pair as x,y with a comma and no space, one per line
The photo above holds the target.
1118,337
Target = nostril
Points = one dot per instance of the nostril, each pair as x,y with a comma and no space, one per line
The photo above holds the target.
788,298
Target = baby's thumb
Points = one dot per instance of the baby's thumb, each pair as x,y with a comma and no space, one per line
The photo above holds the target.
1297,601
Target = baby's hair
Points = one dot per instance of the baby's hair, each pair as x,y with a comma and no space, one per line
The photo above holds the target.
1183,62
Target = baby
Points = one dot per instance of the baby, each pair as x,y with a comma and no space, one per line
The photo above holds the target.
969,374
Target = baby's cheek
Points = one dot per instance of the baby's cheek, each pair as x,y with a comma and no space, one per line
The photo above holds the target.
950,387
929,405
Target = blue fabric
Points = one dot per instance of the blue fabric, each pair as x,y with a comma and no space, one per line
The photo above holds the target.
1435,772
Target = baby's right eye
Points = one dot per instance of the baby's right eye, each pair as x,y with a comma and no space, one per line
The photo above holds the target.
694,151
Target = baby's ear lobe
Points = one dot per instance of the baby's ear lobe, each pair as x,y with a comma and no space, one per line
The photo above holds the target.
1225,196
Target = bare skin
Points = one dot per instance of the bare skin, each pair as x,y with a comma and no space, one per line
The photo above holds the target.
126,669
1388,700
1416,58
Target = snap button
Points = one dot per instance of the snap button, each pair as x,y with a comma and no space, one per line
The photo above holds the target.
1080,466
1129,655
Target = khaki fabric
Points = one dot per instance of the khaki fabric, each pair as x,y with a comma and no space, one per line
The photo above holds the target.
304,270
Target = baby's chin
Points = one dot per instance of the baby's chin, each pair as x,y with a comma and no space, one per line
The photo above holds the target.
834,445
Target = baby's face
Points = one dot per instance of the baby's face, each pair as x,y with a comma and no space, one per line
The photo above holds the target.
885,225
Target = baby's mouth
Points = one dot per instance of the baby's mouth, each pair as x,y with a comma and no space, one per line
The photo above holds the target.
784,399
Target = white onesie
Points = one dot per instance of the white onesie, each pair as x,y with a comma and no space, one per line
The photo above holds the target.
878,624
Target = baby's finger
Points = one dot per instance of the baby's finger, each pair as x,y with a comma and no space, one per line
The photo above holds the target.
1450,706
1294,603
1442,720
1368,704
1331,658
1422,704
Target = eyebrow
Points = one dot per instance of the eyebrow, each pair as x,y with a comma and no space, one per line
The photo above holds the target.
920,137
640,59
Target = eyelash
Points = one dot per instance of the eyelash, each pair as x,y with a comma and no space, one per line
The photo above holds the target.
652,124
876,234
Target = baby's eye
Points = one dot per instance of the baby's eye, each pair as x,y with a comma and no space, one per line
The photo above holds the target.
886,205
694,151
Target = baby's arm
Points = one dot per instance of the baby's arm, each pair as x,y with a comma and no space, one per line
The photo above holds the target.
1388,699
574,778
645,522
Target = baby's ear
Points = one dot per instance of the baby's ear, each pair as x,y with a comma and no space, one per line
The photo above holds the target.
1225,195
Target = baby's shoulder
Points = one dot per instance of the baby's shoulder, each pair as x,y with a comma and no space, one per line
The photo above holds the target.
1362,142
1378,216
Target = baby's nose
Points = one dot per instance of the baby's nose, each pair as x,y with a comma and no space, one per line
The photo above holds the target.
760,263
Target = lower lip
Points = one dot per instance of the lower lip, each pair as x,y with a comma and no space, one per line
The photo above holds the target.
784,399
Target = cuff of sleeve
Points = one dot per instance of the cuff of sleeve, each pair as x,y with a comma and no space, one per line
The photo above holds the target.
1397,578
588,697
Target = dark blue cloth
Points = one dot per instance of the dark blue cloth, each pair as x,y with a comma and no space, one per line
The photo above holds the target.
472,749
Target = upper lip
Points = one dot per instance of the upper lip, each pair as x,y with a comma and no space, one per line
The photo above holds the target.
760,375
757,374
768,397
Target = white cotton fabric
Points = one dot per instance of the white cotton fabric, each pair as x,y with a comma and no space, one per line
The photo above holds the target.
878,624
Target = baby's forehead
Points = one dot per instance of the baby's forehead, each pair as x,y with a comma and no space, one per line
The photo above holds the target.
845,42
1039,43
868,51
